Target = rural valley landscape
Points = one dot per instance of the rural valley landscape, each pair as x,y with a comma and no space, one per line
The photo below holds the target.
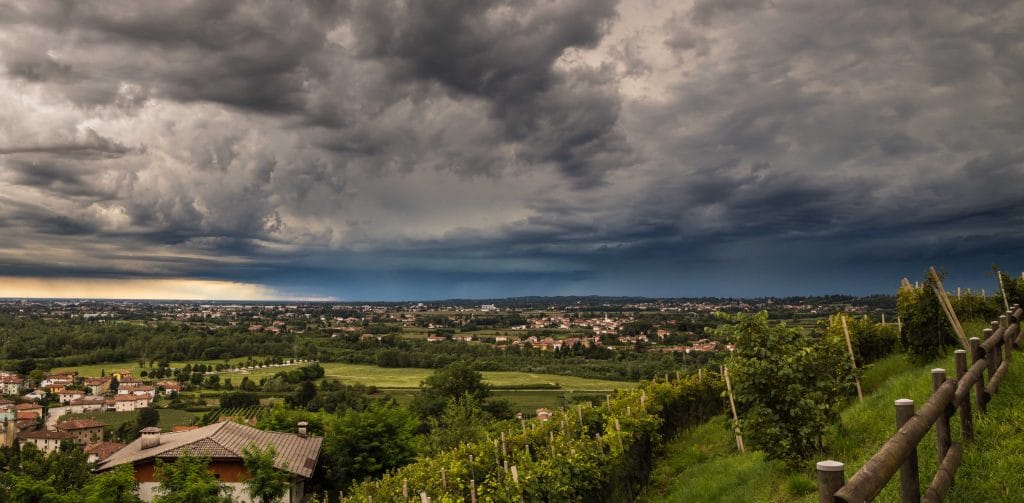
511,251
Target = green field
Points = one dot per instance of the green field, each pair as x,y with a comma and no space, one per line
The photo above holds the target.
168,418
95,369
402,383
411,377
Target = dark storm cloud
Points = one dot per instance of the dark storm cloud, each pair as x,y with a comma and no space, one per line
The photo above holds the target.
550,147
505,52
240,54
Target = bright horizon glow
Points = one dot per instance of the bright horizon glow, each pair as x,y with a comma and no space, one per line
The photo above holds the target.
150,289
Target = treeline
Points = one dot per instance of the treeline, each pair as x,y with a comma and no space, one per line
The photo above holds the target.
81,342
594,362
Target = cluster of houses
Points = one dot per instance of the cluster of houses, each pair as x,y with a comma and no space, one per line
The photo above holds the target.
223,442
27,421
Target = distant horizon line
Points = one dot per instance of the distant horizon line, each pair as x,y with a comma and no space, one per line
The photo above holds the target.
452,299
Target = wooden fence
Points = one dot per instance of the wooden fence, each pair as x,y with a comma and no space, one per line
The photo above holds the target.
949,397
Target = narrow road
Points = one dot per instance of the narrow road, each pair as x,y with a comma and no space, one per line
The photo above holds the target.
54,416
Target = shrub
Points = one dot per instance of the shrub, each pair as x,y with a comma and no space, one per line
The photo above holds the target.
787,385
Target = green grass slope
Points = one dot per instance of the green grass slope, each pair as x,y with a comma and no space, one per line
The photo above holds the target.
702,465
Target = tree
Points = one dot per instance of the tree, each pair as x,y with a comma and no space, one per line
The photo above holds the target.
462,420
788,386
266,483
305,393
146,417
925,328
68,469
360,444
189,480
26,489
116,486
239,400
451,382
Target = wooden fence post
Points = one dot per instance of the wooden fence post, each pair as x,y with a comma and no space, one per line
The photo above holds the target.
966,421
830,478
1004,321
910,481
979,387
992,363
943,438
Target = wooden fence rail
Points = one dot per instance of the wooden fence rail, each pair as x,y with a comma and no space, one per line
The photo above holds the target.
949,396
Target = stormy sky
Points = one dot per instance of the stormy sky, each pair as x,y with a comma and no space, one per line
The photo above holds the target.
378,149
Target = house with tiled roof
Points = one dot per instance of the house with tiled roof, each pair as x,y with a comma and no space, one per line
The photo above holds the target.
35,395
223,443
85,431
97,385
12,384
88,403
101,450
68,395
130,403
45,440
35,409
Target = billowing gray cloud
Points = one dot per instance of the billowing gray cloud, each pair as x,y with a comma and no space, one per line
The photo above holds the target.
371,148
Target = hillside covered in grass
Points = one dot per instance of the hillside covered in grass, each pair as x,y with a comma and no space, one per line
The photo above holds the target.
703,465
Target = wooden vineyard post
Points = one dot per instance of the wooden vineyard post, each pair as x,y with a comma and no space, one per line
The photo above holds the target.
472,491
910,481
444,481
732,404
947,307
1006,303
830,478
853,360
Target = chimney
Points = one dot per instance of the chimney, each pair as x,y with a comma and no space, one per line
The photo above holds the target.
150,437
302,428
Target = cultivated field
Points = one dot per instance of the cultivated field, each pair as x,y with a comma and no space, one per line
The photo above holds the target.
382,377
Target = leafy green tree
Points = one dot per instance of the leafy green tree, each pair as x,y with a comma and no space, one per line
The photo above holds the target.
788,386
871,341
925,328
360,444
146,417
1014,288
266,483
68,469
189,480
462,420
305,393
239,399
26,489
451,382
116,486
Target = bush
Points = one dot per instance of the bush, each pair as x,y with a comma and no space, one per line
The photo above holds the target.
239,400
788,386
925,329
871,341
